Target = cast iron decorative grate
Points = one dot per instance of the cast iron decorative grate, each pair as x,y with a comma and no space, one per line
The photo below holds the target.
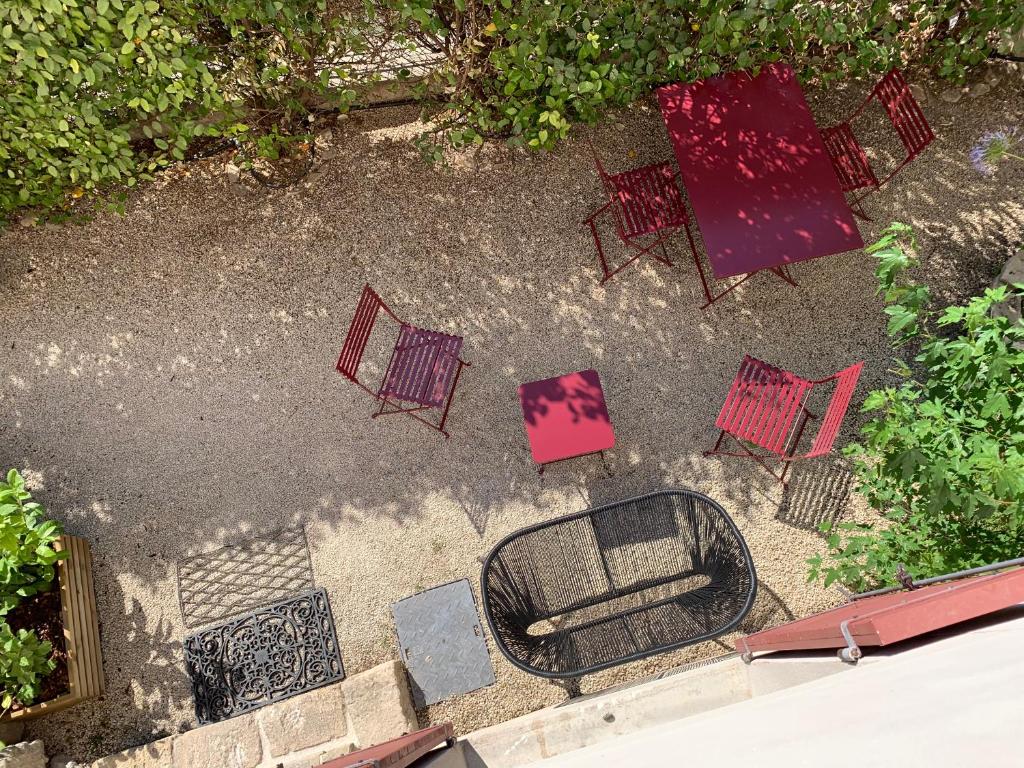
217,585
265,656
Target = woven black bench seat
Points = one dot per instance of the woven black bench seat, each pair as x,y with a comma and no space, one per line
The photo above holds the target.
617,583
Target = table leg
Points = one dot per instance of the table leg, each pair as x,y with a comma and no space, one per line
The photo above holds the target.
782,272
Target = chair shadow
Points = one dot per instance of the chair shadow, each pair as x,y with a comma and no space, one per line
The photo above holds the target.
817,493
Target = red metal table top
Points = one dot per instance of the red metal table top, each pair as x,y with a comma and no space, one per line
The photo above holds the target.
566,416
756,171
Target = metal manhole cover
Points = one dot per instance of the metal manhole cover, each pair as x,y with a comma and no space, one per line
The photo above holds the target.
442,643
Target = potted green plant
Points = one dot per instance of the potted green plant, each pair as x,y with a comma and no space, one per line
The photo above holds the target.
49,632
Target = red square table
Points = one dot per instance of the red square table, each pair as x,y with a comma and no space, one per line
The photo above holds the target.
755,168
566,417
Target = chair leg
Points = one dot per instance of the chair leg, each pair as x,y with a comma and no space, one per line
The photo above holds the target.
413,412
783,272
748,454
700,269
451,396
600,252
608,272
718,443
663,259
380,411
857,207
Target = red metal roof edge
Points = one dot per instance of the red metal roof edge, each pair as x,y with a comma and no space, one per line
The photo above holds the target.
889,618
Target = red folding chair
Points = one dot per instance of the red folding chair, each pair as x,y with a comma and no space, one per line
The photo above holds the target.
423,370
848,157
648,208
767,408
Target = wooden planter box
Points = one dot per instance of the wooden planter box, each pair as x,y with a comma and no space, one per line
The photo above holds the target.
81,631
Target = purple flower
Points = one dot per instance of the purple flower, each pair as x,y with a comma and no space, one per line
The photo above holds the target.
993,147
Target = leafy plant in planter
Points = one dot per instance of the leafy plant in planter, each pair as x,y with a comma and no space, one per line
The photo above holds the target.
943,458
27,556
24,662
27,559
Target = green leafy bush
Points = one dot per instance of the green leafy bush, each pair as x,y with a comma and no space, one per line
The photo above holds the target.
102,91
24,662
82,80
27,556
528,69
943,457
277,60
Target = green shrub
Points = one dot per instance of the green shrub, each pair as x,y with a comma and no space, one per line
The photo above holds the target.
101,92
27,556
107,91
82,79
528,69
943,458
277,61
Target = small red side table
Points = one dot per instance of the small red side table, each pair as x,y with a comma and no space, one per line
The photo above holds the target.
566,417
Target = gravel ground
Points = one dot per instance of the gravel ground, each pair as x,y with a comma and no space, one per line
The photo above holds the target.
168,379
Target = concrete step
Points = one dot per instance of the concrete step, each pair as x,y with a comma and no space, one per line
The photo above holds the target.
591,719
623,710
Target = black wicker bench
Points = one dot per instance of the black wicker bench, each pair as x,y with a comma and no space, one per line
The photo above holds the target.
617,583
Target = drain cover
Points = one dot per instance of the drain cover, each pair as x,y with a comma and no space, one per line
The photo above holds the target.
442,643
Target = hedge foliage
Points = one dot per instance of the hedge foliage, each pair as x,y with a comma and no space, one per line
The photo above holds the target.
101,91
79,79
529,69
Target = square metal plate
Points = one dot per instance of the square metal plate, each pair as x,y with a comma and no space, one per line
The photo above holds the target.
442,643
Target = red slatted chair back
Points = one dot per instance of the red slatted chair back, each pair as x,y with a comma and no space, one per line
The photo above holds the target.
649,200
904,112
359,333
763,405
831,421
848,158
644,200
